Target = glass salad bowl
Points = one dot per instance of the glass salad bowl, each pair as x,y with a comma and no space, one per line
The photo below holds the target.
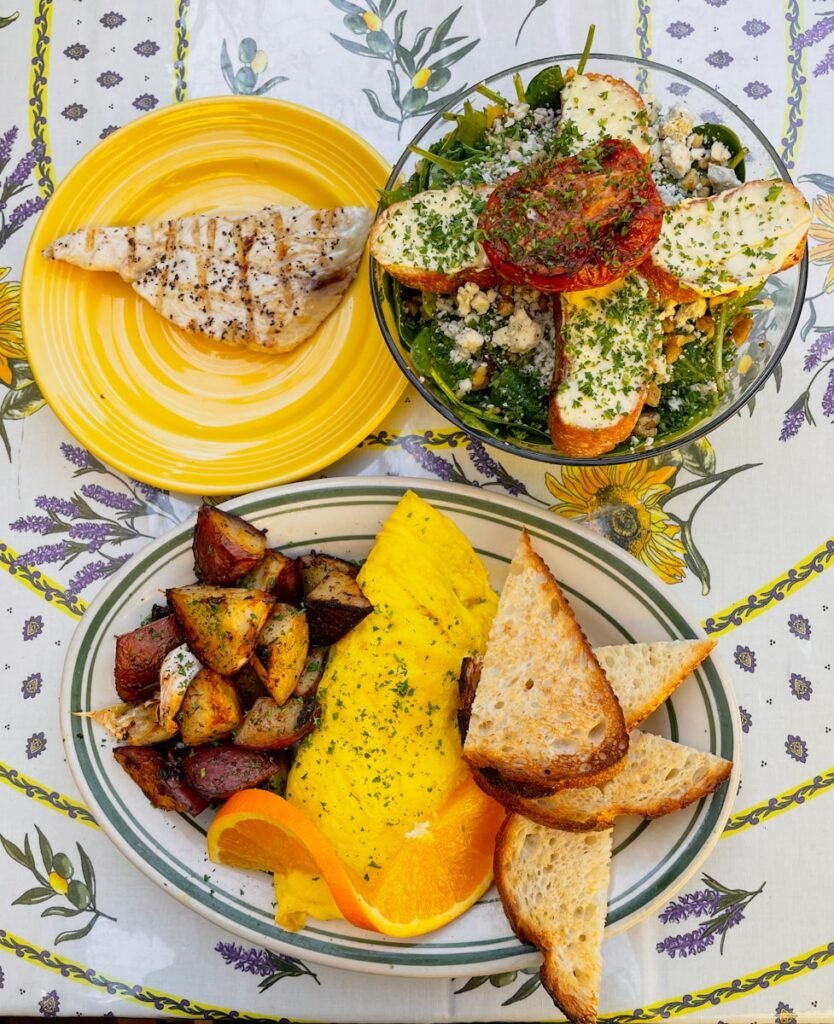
746,366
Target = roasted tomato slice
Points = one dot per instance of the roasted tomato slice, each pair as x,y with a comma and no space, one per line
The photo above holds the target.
574,222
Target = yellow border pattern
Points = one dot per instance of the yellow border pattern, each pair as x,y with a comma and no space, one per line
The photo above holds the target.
679,1006
41,584
147,997
776,590
65,805
775,805
38,80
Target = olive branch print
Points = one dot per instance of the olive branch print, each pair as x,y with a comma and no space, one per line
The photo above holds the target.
531,983
253,63
536,5
56,880
415,72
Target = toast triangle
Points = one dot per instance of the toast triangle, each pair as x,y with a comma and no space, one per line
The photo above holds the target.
554,890
543,709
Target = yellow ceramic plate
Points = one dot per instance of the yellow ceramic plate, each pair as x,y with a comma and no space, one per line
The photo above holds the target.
164,405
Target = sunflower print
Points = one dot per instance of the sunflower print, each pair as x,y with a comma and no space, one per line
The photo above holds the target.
11,337
623,504
823,231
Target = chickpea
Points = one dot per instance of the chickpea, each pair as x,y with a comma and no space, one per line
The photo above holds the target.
706,325
653,395
504,307
480,378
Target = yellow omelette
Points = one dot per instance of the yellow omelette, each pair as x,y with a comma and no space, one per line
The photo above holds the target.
387,753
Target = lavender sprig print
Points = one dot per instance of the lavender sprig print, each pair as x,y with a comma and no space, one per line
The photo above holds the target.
270,967
814,35
489,467
723,909
818,350
12,220
826,64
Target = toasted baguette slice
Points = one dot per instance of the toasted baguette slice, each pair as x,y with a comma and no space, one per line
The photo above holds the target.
554,890
543,708
642,676
606,352
659,777
728,242
429,241
603,107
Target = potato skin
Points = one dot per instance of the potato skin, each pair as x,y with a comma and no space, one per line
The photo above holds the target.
269,726
334,607
210,709
217,773
221,625
282,650
139,657
161,782
315,568
278,575
225,546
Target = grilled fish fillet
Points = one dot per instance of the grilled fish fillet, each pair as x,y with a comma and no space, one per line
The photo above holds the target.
265,280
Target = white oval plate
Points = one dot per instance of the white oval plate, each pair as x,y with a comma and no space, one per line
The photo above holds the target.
616,601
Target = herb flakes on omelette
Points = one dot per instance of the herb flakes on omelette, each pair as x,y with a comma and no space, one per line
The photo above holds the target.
387,752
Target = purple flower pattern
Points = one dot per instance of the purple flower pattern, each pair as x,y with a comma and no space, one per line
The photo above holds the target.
746,719
815,34
250,961
818,350
74,111
719,59
755,27
826,64
109,79
678,89
800,687
93,572
94,533
56,506
784,1014
50,1004
718,908
32,627
715,3
680,29
794,418
702,903
147,48
745,658
16,182
828,395
799,626
77,51
79,457
112,19
796,748
31,686
35,745
46,554
145,102
757,90
33,524
104,496
7,141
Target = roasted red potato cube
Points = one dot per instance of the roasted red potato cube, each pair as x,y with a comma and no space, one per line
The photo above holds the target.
278,575
219,772
221,625
210,709
334,607
161,782
139,657
282,651
225,546
314,666
270,726
249,683
314,568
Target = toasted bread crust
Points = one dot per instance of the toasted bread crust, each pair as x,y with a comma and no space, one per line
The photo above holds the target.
527,767
566,811
576,1010
668,287
635,714
515,795
582,443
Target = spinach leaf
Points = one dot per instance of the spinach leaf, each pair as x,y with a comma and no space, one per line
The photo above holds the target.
545,88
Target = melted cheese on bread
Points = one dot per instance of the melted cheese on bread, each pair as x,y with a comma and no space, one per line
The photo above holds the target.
599,107
732,241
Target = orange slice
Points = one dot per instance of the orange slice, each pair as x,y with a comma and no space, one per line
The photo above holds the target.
440,870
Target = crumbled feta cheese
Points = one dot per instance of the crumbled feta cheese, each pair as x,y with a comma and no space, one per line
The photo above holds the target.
675,402
676,157
677,124
721,178
520,111
521,334
464,387
463,299
469,340
719,154
708,388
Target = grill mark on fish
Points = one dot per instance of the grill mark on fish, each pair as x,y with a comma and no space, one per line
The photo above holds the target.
265,280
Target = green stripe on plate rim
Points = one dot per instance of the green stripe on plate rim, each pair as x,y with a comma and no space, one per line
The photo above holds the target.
359,493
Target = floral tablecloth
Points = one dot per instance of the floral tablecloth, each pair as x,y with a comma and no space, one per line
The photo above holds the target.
739,528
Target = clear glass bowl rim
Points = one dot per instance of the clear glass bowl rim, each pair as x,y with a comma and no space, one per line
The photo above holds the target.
700,430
